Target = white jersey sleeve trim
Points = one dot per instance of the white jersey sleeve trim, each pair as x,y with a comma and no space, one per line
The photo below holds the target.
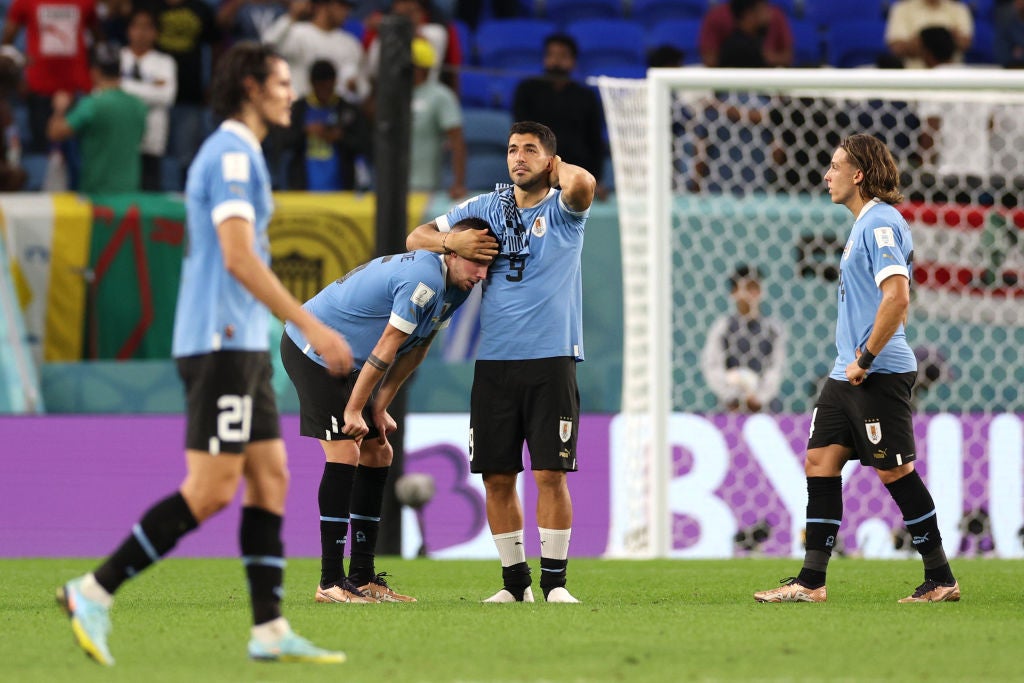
890,271
402,324
562,205
233,208
442,223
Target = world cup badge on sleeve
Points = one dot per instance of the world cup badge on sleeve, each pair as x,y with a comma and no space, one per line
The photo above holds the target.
565,430
874,430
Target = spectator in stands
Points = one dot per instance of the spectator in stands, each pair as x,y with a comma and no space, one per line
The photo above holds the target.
965,148
908,17
436,124
57,59
249,19
185,30
152,77
665,56
1009,39
108,123
768,25
328,134
310,32
12,175
443,37
567,107
744,354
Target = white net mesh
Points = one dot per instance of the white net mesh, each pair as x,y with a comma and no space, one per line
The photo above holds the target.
745,165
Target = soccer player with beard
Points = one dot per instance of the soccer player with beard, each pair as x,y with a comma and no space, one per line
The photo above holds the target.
524,384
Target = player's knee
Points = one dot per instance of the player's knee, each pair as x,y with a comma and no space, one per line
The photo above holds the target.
500,484
551,480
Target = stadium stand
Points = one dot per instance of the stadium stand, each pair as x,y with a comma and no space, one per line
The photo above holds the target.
982,50
829,13
653,12
807,43
566,12
856,42
486,135
513,44
679,33
608,43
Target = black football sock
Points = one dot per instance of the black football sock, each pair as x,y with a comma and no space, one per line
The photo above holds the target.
153,537
824,515
367,498
918,508
263,556
334,497
552,574
517,579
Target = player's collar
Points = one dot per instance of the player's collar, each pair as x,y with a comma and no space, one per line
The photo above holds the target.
242,131
444,270
867,207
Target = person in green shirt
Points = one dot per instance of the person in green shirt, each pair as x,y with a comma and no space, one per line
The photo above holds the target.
108,124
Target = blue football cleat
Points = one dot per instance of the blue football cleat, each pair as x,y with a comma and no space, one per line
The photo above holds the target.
293,648
90,621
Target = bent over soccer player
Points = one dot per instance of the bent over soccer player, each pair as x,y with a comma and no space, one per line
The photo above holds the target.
389,309
864,409
531,337
220,342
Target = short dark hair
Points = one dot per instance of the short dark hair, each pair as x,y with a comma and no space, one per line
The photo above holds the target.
744,272
740,8
473,223
106,58
543,133
142,9
246,59
665,55
563,39
939,42
322,70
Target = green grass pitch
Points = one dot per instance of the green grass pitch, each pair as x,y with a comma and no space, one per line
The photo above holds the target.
187,620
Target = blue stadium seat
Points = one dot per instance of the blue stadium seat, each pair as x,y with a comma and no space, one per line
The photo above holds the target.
653,12
832,12
683,34
566,12
608,42
466,42
513,44
982,50
487,90
983,10
486,135
856,43
807,43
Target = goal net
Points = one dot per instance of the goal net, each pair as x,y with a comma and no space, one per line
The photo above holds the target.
720,180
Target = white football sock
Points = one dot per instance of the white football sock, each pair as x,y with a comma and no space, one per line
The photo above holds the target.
554,543
510,547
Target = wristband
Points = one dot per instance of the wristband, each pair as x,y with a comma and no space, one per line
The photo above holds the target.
866,359
445,249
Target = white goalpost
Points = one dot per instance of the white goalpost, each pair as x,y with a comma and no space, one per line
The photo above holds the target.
720,167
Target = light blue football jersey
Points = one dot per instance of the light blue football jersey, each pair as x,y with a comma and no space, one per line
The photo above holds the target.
880,246
227,179
407,291
533,296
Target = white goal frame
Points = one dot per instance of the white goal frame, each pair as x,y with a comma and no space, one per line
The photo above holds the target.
645,202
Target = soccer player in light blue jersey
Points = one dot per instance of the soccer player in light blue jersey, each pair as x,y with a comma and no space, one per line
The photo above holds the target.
864,409
389,309
524,384
221,347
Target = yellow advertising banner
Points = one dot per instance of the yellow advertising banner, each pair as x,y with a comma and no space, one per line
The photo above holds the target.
315,238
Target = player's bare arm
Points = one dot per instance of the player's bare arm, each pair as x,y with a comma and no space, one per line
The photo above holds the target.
476,245
237,236
374,369
401,369
577,183
891,313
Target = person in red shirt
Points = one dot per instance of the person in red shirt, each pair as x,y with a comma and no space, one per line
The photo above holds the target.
720,23
56,60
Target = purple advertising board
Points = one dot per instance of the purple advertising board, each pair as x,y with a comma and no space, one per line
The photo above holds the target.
72,486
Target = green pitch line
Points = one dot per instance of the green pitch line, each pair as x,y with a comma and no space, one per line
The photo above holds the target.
187,621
